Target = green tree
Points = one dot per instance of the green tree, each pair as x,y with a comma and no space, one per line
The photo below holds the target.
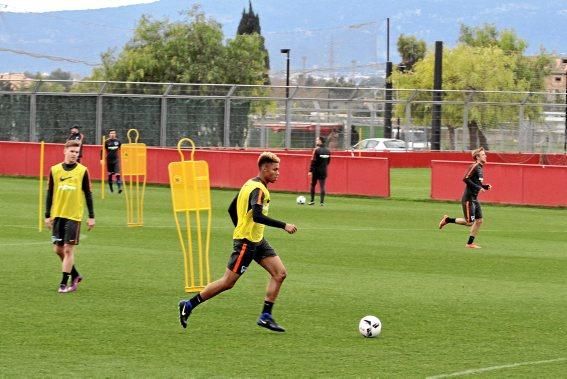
411,50
63,86
531,69
191,51
465,68
485,60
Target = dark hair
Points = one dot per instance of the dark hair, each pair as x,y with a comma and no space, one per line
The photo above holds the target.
74,127
322,139
111,130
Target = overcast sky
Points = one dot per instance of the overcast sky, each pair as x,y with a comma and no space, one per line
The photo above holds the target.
63,5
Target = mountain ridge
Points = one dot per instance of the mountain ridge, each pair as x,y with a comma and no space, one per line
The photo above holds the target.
325,37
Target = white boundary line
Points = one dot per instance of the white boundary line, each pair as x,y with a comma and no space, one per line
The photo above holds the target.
494,368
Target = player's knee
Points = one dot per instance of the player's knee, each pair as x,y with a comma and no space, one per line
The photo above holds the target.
478,221
280,276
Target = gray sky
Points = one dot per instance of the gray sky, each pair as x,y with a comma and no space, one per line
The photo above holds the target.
39,6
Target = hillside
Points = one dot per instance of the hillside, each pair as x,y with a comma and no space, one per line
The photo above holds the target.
321,34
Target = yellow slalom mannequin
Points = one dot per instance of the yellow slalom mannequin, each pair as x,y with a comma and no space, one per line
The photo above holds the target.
133,158
191,196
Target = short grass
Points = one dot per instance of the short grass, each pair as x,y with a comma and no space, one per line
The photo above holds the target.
444,309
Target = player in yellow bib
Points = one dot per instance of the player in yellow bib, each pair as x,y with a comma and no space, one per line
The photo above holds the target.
68,183
249,213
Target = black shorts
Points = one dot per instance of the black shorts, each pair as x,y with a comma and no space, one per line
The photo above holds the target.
245,251
65,231
471,210
113,167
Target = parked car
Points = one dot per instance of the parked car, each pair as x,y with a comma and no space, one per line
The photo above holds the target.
381,144
416,139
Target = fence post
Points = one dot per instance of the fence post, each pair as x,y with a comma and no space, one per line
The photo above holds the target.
226,132
33,117
99,114
287,124
288,118
163,117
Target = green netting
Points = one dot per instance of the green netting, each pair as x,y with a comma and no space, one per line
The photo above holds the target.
124,113
14,117
202,120
57,114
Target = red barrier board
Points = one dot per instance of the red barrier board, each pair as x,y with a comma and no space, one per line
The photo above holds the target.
512,183
422,158
348,175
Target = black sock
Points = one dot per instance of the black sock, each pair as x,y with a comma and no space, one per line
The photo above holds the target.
268,305
471,240
65,278
196,300
74,273
450,220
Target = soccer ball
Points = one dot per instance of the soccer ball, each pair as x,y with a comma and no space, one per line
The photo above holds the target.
300,200
370,326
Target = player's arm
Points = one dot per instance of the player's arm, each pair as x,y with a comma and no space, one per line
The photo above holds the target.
468,178
256,201
313,164
86,186
232,210
49,202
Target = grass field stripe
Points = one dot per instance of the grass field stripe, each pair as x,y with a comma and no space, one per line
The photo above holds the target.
25,243
82,236
475,371
361,229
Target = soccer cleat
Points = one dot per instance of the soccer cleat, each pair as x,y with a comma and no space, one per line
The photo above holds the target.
184,313
120,190
75,284
322,204
472,246
443,222
63,289
311,203
267,321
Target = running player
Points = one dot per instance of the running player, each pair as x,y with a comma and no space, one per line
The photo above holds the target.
471,207
249,213
68,181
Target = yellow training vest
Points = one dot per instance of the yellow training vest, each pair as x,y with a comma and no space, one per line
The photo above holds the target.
246,227
68,192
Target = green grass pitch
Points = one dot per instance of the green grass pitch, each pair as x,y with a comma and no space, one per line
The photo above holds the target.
499,312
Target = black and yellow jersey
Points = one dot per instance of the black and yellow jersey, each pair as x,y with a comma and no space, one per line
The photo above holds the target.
67,186
249,211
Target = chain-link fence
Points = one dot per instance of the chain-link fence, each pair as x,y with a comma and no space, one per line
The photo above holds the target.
265,117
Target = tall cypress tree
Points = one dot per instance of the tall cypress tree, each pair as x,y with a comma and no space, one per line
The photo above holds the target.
250,24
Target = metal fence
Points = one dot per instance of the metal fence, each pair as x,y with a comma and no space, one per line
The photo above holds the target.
263,117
